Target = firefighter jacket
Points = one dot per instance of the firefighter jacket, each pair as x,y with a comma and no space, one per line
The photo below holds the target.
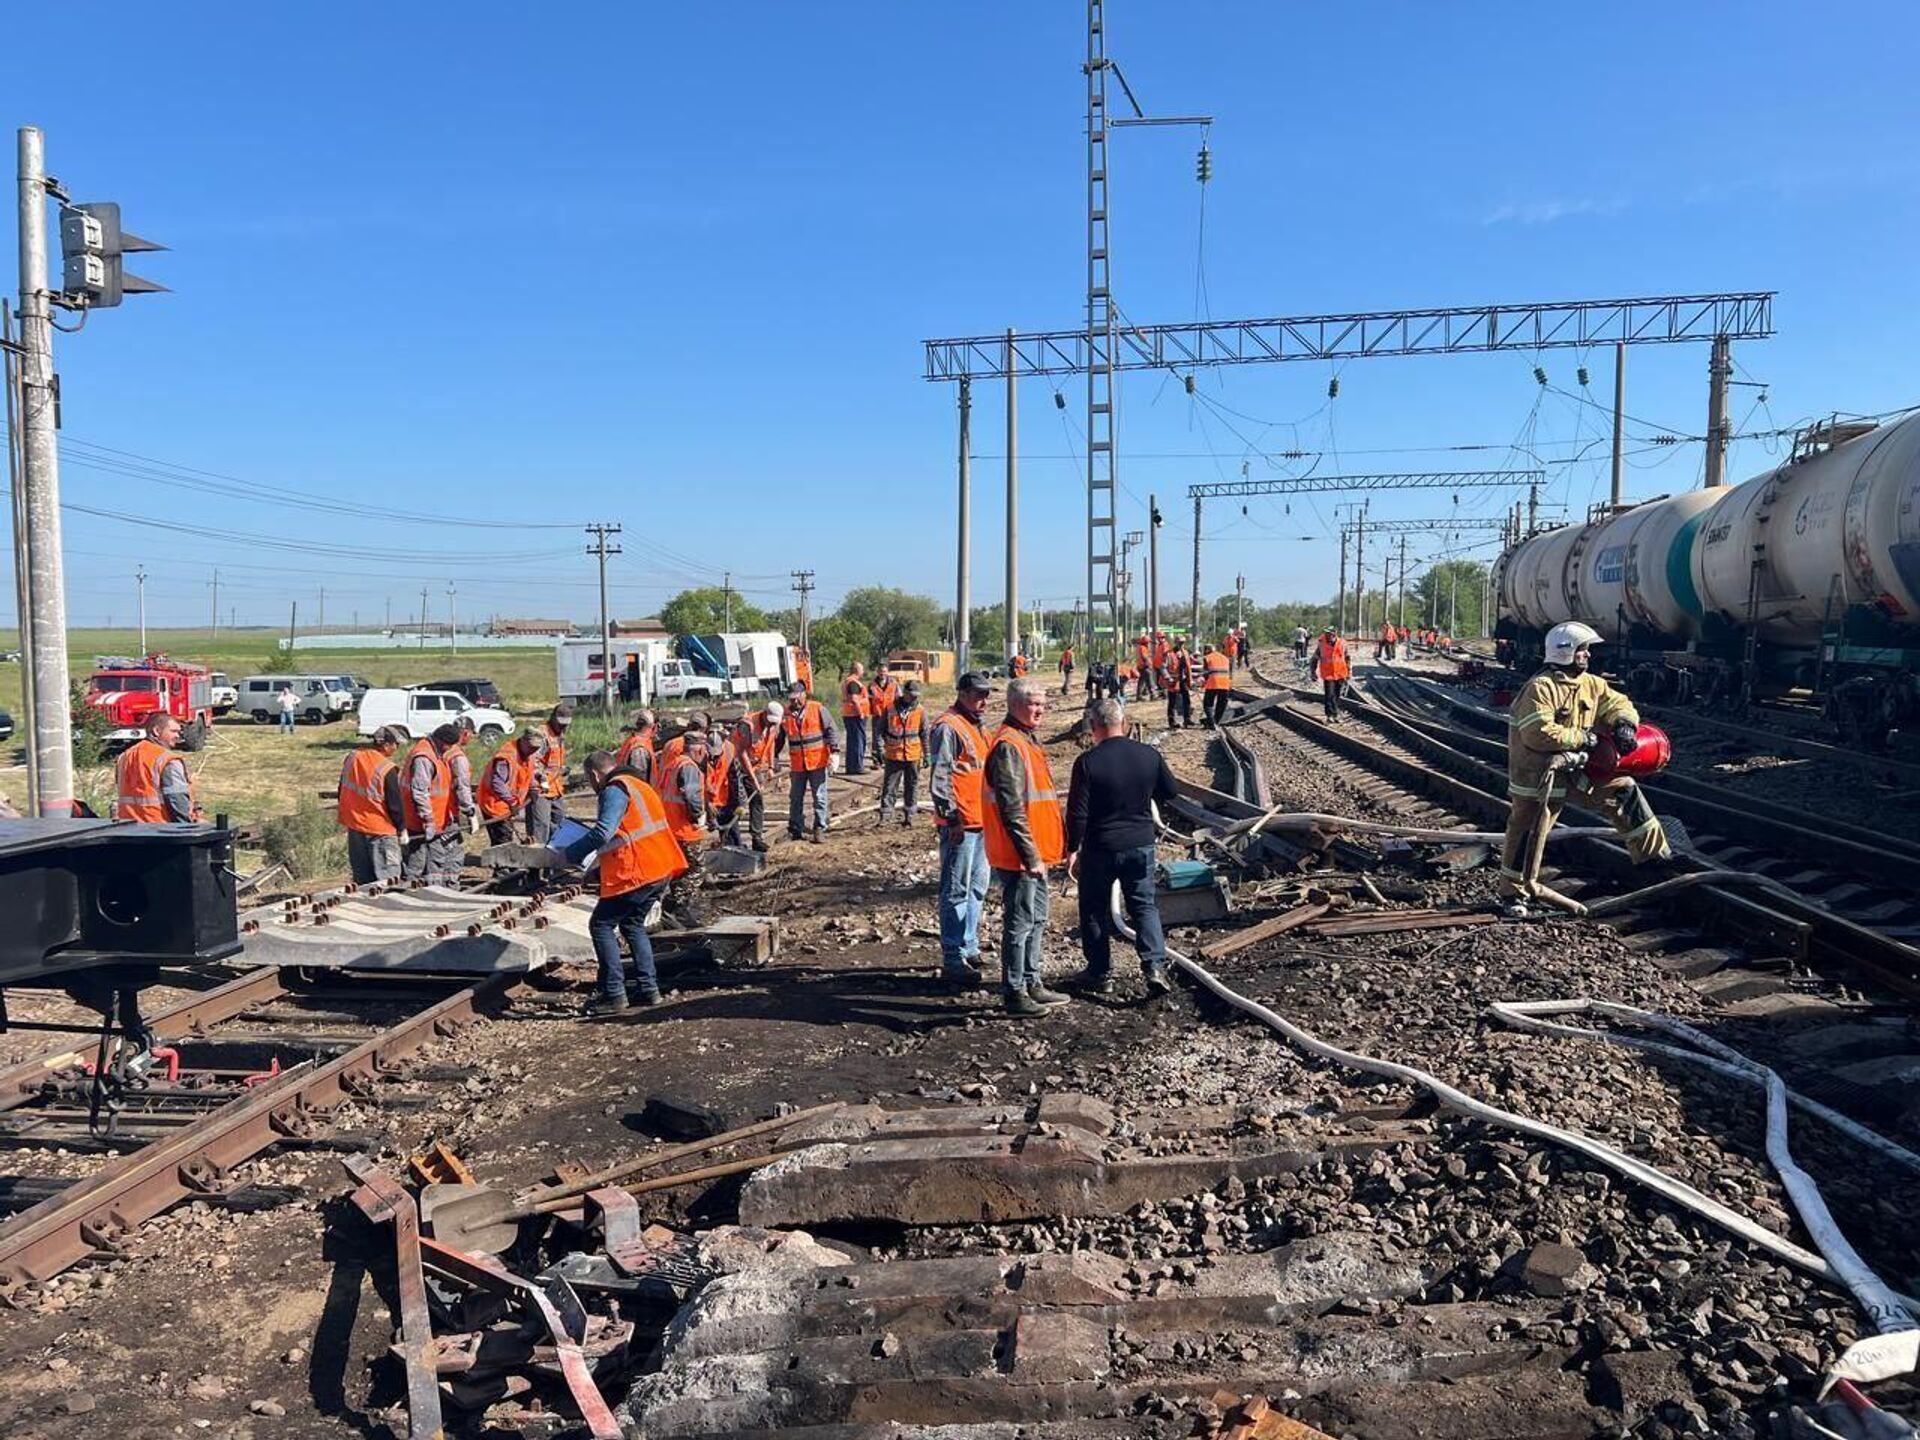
1553,713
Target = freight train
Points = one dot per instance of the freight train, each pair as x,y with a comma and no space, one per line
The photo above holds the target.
1804,578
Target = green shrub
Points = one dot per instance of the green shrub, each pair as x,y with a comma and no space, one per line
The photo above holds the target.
91,725
308,841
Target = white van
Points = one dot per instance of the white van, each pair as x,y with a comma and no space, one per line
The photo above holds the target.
322,697
421,712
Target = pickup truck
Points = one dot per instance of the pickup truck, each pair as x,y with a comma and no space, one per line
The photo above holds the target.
420,712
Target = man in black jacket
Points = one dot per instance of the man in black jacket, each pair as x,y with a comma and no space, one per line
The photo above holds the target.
1110,836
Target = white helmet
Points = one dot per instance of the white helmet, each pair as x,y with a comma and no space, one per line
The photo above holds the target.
1564,639
775,711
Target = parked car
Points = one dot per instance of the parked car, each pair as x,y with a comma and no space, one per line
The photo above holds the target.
418,712
322,697
225,694
479,692
6,726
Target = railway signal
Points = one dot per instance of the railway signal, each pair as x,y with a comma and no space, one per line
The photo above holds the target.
92,244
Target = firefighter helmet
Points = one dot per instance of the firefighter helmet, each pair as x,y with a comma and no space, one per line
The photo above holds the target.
1565,638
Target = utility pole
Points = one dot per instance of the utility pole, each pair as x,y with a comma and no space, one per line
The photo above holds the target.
1533,507
1341,619
1360,571
453,621
963,568
1403,582
22,555
803,582
387,624
216,604
1619,422
1013,506
1153,571
140,583
601,533
1125,619
52,746
1719,372
293,624
726,591
1239,601
321,622
1194,638
423,617
1453,599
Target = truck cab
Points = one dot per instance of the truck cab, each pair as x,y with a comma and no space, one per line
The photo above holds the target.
128,691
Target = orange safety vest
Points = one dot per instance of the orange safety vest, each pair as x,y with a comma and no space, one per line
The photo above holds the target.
440,792
1017,666
969,766
363,793
632,743
1219,671
680,820
881,694
760,738
553,763
806,737
520,776
1179,670
903,734
1160,652
642,850
1066,658
719,777
853,700
1045,818
1332,658
137,779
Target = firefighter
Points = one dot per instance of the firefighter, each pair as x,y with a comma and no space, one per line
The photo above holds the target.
905,750
427,806
1176,678
506,786
152,782
548,807
1555,722
639,858
1331,665
370,808
854,710
1217,681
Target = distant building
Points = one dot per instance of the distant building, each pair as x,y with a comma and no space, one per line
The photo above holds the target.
562,629
649,628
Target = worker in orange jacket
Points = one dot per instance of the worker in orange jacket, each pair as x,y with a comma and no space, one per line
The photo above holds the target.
369,808
152,782
1025,835
506,785
882,691
548,806
1176,678
639,860
1331,665
1217,681
855,712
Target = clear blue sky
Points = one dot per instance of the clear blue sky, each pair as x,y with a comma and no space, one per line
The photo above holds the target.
671,265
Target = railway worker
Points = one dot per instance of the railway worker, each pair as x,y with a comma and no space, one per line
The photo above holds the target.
636,751
671,752
1300,638
639,859
1143,667
956,772
370,808
1553,725
881,695
755,739
1176,678
1383,646
1217,681
506,785
905,751
1024,829
854,712
1066,670
151,781
729,785
807,735
1110,836
1331,665
683,793
467,814
426,794
548,807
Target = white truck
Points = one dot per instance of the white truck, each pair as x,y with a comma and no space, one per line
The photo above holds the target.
644,671
421,712
756,661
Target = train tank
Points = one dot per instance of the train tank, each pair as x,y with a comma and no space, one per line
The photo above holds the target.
1799,547
1630,570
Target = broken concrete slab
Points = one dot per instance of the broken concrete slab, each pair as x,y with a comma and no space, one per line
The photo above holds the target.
875,1122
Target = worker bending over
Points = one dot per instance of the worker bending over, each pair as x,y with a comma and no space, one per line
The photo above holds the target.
427,805
755,740
370,808
151,780
636,751
1553,726
639,858
905,750
506,786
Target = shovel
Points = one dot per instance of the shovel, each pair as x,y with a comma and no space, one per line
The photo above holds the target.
487,1220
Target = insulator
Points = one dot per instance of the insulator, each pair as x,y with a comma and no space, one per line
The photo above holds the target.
1243,510
1582,373
1203,165
1189,384
1763,397
1059,401
1539,375
1287,508
1333,388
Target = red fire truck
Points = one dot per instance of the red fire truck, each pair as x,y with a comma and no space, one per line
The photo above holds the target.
131,690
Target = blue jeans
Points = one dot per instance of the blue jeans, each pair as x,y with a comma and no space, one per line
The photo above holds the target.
802,782
856,745
1135,870
613,917
286,722
1023,927
963,890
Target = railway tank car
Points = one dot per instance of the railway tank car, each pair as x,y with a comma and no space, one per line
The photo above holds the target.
1806,575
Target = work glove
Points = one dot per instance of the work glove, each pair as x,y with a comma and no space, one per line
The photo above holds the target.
1590,741
1626,737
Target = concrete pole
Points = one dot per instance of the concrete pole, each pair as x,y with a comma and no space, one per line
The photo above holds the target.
1013,506
963,579
1619,422
1719,371
1340,620
22,557
1194,638
40,465
293,624
1360,571
606,635
1239,601
423,617
1153,574
1403,582
140,584
216,604
1453,601
1533,507
453,629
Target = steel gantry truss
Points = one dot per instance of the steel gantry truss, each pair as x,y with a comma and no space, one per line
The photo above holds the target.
1550,325
1399,480
1425,527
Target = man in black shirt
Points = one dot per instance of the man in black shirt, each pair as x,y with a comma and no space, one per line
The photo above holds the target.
1110,837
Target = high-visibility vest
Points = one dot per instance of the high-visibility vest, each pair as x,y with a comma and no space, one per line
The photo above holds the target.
1219,671
684,824
755,739
881,694
553,764
440,793
519,775
1179,670
806,733
642,850
1017,666
719,777
903,734
853,700
632,744
137,780
669,755
1045,818
969,766
1332,658
363,793
1066,658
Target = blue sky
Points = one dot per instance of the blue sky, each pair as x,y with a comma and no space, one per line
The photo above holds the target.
671,265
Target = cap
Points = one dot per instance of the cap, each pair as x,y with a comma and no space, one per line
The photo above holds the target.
562,711
775,710
976,683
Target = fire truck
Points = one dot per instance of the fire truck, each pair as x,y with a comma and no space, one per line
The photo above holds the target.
128,691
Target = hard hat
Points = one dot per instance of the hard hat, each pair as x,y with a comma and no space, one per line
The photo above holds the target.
1564,639
1648,757
775,711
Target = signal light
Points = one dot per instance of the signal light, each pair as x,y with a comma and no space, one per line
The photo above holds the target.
92,243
